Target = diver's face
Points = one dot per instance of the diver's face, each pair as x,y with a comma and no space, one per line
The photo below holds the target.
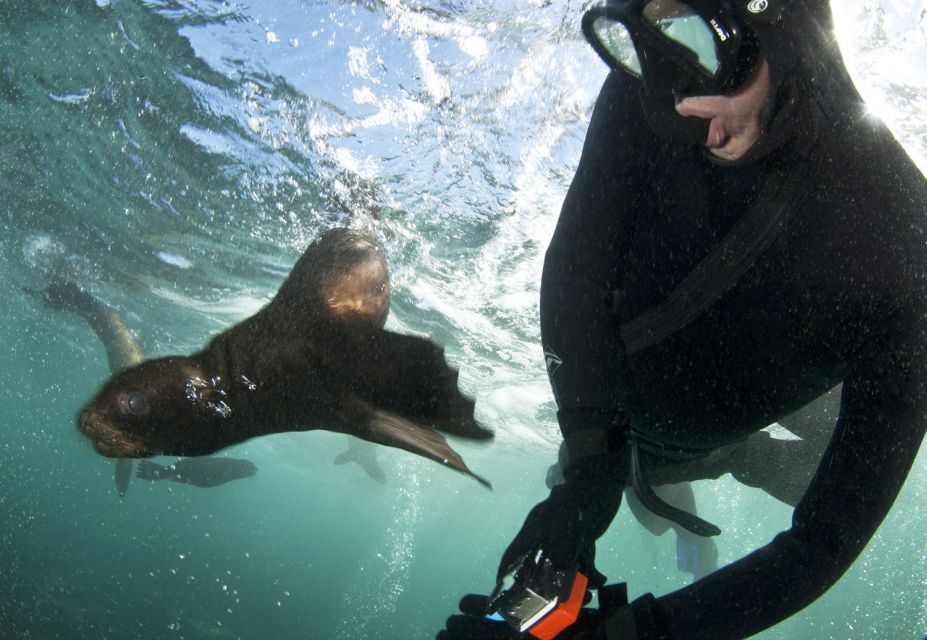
736,118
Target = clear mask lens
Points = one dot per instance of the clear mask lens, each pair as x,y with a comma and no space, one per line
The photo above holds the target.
616,39
680,24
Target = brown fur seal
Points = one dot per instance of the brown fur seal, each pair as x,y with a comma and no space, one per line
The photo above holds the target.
122,349
316,357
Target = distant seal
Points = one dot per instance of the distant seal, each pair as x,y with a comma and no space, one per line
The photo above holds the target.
316,357
122,349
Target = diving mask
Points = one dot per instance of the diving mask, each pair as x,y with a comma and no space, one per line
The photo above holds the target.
679,48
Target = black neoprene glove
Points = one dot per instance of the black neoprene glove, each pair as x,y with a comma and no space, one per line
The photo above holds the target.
575,514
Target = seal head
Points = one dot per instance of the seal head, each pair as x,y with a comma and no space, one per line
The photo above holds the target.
162,406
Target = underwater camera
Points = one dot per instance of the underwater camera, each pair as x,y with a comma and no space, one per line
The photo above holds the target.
536,598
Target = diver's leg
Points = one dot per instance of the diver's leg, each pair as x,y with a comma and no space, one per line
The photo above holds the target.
781,468
695,554
784,468
815,421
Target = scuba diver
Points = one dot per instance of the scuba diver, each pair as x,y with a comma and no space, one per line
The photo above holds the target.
122,352
739,238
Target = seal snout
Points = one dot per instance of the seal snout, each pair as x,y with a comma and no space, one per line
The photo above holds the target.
85,423
107,440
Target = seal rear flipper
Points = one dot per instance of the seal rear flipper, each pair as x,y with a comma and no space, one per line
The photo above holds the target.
64,295
410,376
383,427
152,471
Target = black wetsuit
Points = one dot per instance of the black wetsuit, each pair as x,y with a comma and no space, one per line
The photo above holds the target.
840,295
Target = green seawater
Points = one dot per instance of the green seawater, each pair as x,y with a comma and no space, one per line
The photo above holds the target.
174,157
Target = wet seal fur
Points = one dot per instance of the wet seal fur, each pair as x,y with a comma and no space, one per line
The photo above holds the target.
316,357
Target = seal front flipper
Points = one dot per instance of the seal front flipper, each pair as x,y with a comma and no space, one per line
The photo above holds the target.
407,375
122,473
383,427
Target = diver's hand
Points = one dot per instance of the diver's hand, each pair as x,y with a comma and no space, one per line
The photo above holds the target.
557,526
474,625
569,521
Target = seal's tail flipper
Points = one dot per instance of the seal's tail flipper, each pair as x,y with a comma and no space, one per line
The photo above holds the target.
64,295
383,427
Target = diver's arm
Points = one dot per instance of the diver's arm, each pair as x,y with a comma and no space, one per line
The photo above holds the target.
882,422
580,338
578,324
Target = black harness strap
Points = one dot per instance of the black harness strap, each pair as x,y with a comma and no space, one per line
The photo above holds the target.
715,274
727,262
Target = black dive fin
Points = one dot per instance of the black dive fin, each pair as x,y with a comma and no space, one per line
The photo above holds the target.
384,427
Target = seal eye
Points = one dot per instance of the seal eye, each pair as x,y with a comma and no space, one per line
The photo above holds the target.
136,403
